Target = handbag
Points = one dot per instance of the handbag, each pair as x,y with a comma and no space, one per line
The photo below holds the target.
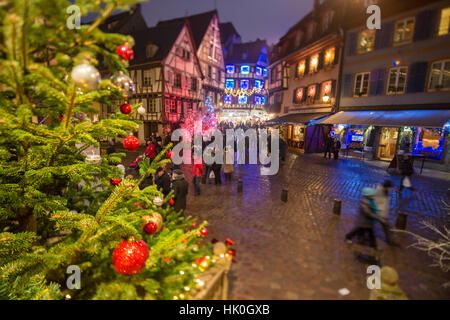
212,175
407,182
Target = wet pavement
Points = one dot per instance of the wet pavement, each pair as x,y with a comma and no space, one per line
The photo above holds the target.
296,250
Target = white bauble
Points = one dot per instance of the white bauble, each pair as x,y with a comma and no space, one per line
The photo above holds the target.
158,201
124,82
86,76
141,110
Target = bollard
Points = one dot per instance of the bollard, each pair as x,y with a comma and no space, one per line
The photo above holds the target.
284,195
401,221
239,189
337,207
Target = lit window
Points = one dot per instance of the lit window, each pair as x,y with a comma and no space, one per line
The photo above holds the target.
258,71
258,84
329,56
263,100
244,84
230,68
366,41
245,69
312,91
404,30
301,68
326,88
444,25
258,100
150,50
228,99
440,75
361,84
298,95
229,84
265,72
397,80
314,62
242,99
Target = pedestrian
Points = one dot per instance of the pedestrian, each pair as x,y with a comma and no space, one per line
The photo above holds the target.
216,168
162,181
166,139
111,148
228,168
336,148
197,172
150,150
406,170
381,197
180,188
283,149
366,218
328,146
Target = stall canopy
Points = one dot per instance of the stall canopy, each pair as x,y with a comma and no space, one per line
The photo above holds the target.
298,118
400,118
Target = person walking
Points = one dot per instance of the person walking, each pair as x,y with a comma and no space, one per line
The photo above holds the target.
180,188
406,170
381,197
366,218
197,172
336,148
150,150
216,168
228,168
162,181
328,146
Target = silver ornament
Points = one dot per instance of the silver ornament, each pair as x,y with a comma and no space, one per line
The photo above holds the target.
124,82
86,76
141,110
158,201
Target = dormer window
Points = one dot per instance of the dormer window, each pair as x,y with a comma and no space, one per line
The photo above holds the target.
150,50
245,69
310,31
298,39
326,20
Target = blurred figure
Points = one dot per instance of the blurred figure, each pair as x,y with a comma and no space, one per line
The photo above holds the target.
406,170
328,146
197,172
150,150
180,188
162,181
228,168
336,148
382,198
111,148
366,218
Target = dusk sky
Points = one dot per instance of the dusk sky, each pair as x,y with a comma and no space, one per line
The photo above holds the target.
264,19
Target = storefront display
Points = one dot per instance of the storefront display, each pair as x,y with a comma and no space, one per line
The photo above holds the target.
388,143
296,136
430,142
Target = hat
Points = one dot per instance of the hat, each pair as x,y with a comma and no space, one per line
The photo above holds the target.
367,192
159,169
387,184
177,171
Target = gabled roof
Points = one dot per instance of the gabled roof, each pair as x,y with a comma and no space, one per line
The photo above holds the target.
199,24
121,19
163,36
248,52
227,29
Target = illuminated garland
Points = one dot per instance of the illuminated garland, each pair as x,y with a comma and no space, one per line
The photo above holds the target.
240,92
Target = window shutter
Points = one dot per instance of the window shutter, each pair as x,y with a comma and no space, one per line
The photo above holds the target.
305,94
307,65
416,77
320,62
318,90
347,88
336,55
380,81
351,43
425,25
373,81
333,89
294,96
383,36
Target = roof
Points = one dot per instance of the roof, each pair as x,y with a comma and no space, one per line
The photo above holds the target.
248,52
199,24
227,29
163,36
303,118
121,18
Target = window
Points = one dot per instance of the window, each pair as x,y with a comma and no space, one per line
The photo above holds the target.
177,80
244,84
440,75
151,105
329,56
242,99
444,24
229,84
311,93
298,95
147,78
314,62
263,100
258,71
326,89
228,99
150,50
404,30
310,31
301,69
265,72
298,39
366,41
258,100
259,84
219,75
194,84
245,69
209,72
186,55
397,80
361,84
230,68
173,106
326,20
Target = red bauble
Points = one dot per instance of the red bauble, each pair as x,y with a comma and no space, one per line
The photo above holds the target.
204,231
137,204
125,108
194,225
169,154
150,228
130,54
116,181
129,257
171,202
122,51
229,242
131,143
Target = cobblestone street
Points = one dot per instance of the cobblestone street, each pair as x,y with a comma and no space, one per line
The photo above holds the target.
296,250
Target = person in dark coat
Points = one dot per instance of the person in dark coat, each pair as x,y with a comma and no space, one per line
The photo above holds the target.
336,148
406,170
162,181
283,149
328,146
216,168
111,147
180,187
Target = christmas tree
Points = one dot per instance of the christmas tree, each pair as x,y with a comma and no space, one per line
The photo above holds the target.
61,210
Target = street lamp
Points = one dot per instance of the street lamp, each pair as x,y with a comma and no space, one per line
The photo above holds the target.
326,98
